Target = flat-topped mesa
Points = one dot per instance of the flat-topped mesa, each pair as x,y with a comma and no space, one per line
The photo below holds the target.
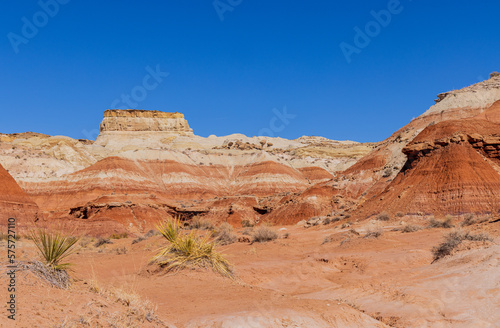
133,120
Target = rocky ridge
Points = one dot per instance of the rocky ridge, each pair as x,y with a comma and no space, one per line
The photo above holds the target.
444,161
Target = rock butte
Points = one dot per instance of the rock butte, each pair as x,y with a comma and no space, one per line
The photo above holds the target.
142,120
145,165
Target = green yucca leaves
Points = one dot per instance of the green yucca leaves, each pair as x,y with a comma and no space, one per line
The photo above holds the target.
189,250
169,230
54,246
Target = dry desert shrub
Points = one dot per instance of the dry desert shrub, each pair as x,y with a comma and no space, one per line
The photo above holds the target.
189,251
102,241
247,223
136,312
469,220
354,232
263,234
148,235
455,238
374,232
119,235
383,216
121,250
84,242
200,224
446,223
224,234
411,228
345,225
247,231
328,239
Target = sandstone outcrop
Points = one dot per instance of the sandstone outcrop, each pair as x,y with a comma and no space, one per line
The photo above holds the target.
137,194
133,120
14,203
452,167
465,103
453,130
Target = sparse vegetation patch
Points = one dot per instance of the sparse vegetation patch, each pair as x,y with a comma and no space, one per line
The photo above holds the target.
102,241
224,235
119,235
455,238
446,223
411,228
189,251
374,232
201,224
263,234
56,278
383,217
469,220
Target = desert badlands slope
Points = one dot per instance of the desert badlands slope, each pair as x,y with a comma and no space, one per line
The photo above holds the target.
356,223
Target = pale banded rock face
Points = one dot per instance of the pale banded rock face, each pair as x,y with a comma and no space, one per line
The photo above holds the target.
478,96
142,120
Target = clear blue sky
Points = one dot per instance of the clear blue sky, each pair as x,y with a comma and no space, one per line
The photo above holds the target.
228,75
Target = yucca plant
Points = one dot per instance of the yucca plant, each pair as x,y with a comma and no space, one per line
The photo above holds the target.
189,250
169,230
54,246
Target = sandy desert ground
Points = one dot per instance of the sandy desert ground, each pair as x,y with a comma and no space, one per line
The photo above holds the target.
322,276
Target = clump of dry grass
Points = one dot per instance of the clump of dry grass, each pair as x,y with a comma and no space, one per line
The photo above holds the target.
137,312
374,232
224,235
247,223
121,250
200,224
345,225
354,232
411,228
148,235
84,242
263,234
328,239
383,216
119,235
446,223
247,231
468,220
455,238
102,241
189,251
56,278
